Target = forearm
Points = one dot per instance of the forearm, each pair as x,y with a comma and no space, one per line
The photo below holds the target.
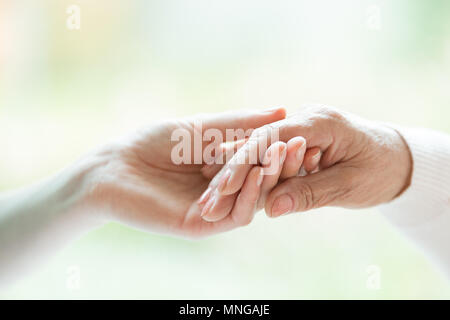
423,211
37,221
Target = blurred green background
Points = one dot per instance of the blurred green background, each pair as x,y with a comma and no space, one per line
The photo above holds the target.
65,91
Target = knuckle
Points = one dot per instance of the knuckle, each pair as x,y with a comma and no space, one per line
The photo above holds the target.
326,114
259,132
305,196
332,113
265,131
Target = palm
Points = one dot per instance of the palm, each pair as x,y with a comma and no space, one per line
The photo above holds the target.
154,193
160,195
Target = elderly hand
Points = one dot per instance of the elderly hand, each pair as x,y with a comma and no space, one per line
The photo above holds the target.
363,163
280,161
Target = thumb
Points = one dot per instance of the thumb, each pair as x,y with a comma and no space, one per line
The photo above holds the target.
298,194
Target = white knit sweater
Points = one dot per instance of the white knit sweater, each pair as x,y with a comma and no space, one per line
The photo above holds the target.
422,212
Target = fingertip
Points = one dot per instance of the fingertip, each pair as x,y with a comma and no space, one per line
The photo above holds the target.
312,159
296,148
296,142
278,113
205,196
240,166
255,177
231,186
282,151
274,158
217,207
292,164
260,177
268,207
281,113
223,183
252,185
282,205
207,207
238,178
278,145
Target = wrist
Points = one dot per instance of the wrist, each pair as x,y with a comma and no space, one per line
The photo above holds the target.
77,188
39,220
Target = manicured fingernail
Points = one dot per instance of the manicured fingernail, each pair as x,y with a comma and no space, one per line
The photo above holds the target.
316,157
300,153
260,177
208,206
283,155
282,205
302,172
205,196
268,155
271,110
224,180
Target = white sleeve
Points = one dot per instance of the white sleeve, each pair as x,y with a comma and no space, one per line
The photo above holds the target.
422,212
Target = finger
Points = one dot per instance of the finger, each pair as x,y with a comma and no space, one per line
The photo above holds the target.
275,157
226,152
312,159
218,206
296,148
233,174
242,119
328,187
242,212
299,125
245,205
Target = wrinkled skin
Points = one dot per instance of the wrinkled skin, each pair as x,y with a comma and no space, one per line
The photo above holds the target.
363,163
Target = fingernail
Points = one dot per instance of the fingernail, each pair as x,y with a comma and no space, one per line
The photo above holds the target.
302,172
208,206
271,110
205,195
283,155
260,177
267,157
282,205
316,157
224,180
300,153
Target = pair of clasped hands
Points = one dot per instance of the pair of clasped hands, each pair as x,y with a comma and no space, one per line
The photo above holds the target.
322,157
